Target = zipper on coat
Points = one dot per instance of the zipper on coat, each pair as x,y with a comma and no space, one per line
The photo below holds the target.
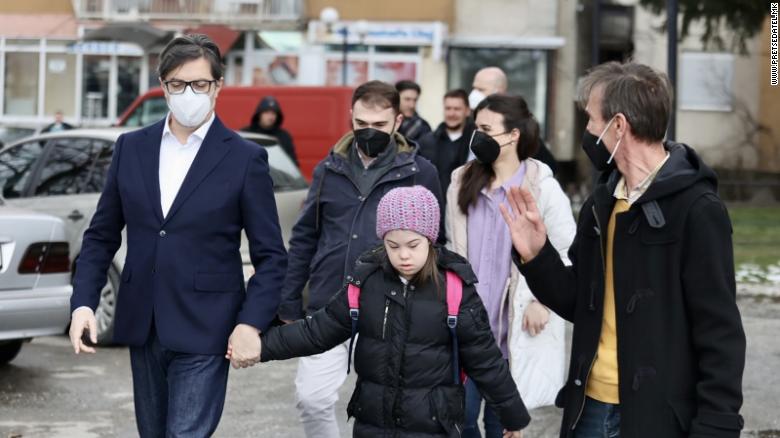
584,395
384,320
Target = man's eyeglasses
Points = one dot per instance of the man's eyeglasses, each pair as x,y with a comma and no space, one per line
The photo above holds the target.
201,86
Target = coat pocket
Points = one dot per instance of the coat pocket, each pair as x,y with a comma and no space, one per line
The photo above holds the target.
354,402
218,282
683,413
448,405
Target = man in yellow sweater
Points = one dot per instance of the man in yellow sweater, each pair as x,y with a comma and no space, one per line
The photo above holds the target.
658,349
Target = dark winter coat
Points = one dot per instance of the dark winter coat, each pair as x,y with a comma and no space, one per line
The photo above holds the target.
681,346
414,127
268,103
338,222
403,353
445,154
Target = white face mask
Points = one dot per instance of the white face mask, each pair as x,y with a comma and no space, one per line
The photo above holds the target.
189,108
475,97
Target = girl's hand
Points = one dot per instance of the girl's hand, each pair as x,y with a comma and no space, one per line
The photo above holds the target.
535,318
513,434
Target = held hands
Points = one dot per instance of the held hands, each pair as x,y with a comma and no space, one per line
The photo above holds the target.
535,318
244,346
513,434
83,319
525,223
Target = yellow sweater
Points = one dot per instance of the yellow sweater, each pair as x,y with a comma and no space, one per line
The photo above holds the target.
603,379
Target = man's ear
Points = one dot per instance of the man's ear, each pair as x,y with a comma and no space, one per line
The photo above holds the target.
398,119
621,125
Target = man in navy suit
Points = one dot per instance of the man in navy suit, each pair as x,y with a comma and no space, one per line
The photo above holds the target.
185,188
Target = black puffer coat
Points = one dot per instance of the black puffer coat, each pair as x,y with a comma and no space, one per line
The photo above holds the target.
403,354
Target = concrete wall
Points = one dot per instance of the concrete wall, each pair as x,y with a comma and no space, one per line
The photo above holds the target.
563,140
714,134
36,6
769,109
396,10
507,17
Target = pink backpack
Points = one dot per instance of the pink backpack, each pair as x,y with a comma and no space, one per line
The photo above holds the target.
454,296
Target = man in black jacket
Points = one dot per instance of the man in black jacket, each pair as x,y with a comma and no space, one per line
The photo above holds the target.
268,119
336,225
413,127
658,347
448,146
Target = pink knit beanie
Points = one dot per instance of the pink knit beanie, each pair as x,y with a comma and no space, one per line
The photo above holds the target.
408,208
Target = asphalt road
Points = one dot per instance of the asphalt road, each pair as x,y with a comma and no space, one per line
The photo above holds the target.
49,392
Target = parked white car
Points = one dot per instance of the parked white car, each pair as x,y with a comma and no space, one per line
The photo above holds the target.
62,174
34,278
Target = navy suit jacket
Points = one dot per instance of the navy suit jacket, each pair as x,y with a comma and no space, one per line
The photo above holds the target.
184,272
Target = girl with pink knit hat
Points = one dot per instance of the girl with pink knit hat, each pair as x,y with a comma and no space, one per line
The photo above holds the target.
411,349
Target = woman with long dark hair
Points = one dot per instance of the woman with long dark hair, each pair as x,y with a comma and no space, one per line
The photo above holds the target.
530,337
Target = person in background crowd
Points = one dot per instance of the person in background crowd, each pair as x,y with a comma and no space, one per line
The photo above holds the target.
413,126
58,125
268,119
448,146
492,80
336,225
530,337
658,347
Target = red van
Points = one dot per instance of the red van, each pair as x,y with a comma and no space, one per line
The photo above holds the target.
316,117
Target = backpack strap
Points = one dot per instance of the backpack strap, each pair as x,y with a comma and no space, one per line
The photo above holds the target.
454,297
353,298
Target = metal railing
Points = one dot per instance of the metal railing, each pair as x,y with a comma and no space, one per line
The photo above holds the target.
222,11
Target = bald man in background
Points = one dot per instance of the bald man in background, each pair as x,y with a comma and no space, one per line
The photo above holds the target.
492,80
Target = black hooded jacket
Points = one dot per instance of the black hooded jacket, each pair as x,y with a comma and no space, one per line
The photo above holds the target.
269,103
680,341
403,353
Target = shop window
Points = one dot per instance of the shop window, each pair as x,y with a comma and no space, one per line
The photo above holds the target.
21,84
526,70
95,89
60,84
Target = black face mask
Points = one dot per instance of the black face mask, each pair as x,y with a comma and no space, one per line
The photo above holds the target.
372,142
597,152
485,147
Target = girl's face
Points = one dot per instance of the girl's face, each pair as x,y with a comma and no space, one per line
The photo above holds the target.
407,250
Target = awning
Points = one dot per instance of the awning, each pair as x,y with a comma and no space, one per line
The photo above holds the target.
143,34
223,36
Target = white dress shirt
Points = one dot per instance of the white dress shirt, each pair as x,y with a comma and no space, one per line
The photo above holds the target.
176,159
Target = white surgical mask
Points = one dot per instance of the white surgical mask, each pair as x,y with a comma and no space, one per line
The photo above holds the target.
475,97
189,108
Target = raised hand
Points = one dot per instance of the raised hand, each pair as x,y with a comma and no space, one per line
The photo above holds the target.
82,319
243,346
513,434
525,223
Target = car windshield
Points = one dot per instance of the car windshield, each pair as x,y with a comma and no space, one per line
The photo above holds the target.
150,111
284,173
9,134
